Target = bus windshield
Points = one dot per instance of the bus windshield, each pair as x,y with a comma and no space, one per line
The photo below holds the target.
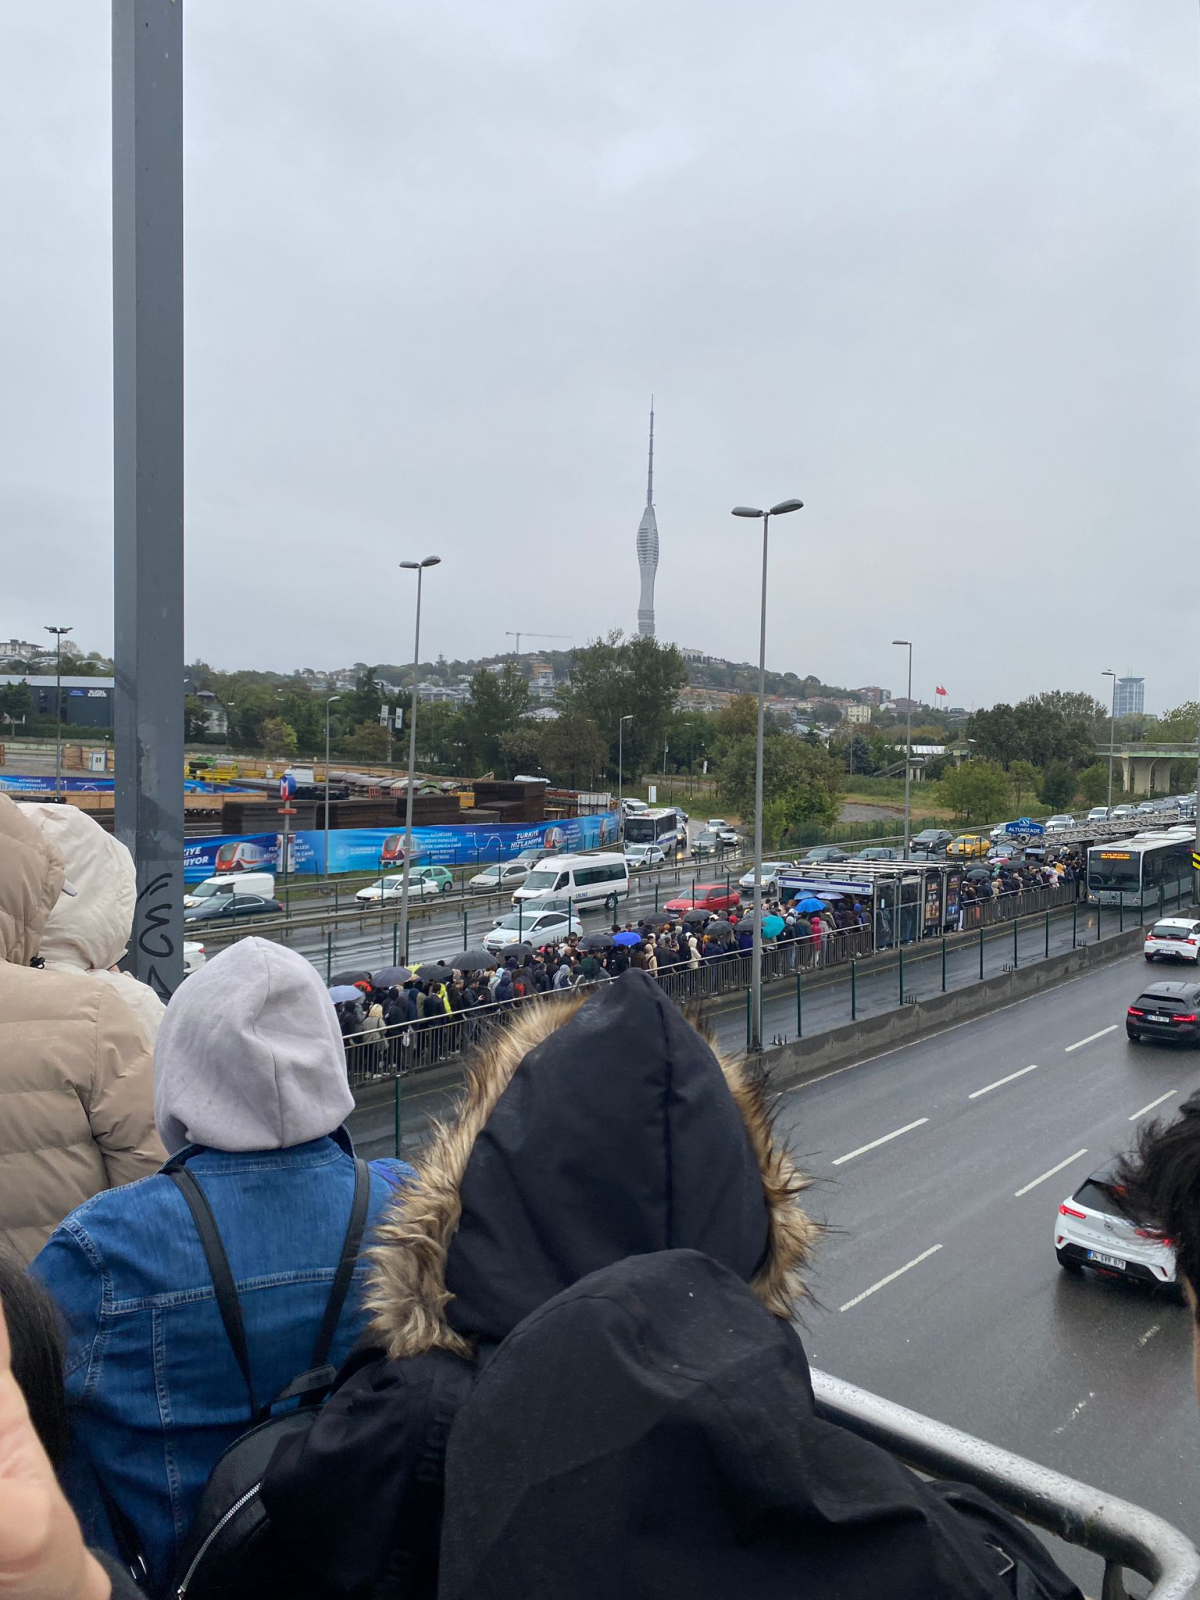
1113,869
652,827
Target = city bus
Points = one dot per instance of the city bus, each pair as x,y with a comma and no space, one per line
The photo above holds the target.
664,827
1149,870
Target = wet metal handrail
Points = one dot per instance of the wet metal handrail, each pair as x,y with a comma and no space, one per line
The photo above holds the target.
1123,1534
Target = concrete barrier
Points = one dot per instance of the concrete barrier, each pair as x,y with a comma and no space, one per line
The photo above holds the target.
856,1041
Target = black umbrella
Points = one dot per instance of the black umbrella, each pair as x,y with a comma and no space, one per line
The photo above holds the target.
978,872
657,919
434,972
518,950
472,961
697,914
597,941
391,977
719,930
357,976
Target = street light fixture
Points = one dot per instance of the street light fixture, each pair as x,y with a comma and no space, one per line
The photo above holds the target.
1112,730
628,717
907,749
779,510
58,633
419,568
328,703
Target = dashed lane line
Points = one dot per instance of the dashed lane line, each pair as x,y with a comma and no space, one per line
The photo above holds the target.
891,1277
875,1143
1049,1174
1091,1039
1152,1104
987,1089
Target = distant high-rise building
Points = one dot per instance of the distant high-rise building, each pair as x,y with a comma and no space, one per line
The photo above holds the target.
647,546
1131,697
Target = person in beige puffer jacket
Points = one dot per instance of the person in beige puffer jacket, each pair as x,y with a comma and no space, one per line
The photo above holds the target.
76,1074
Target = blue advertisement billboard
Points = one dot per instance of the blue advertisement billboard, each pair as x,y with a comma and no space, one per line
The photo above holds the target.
204,858
43,783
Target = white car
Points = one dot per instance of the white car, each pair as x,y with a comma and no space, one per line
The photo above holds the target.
1091,1230
422,881
1057,824
641,857
1000,831
1097,814
1174,936
716,825
500,875
193,957
530,927
770,876
1122,812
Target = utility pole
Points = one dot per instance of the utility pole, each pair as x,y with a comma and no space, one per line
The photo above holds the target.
147,214
58,714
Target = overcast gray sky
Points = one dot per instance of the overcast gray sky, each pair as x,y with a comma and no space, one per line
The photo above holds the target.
931,266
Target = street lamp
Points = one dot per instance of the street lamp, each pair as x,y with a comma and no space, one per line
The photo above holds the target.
419,568
328,703
621,758
780,510
907,749
1112,731
58,633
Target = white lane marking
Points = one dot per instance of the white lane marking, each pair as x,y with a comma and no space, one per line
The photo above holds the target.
1148,1335
1049,1174
1091,1038
1152,1104
1091,1395
892,1276
999,1081
875,1143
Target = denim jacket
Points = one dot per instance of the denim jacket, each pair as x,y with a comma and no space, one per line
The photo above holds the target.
154,1391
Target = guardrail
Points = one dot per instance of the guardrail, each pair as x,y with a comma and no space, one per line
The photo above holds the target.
1121,1534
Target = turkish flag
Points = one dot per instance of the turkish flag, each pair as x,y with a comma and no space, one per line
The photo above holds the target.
939,690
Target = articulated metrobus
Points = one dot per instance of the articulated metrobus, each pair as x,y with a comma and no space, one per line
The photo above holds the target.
1148,870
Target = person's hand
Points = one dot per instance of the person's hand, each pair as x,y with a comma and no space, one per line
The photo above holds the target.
42,1554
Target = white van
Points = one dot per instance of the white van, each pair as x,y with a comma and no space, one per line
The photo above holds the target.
584,880
260,883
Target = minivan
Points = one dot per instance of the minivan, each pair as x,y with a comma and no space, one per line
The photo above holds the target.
224,883
596,880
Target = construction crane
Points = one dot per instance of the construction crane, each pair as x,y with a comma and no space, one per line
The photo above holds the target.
518,637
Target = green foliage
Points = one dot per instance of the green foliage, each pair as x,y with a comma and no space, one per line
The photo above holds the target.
439,736
363,703
689,736
977,791
1093,783
16,701
195,717
616,677
804,780
498,700
1037,730
572,750
367,742
1025,779
277,737
1178,725
1058,786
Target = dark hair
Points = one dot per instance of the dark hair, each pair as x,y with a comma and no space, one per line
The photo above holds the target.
1161,1183
36,1338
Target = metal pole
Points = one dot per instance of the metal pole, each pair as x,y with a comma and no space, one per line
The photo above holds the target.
1016,926
1074,923
1112,728
800,1005
328,703
756,933
908,761
900,970
396,1109
412,763
1047,936
147,170
981,952
58,716
943,963
853,990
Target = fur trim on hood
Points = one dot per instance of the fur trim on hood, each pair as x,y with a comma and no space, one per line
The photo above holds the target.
590,1130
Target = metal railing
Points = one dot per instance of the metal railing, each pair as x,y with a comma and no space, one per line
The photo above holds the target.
1121,1534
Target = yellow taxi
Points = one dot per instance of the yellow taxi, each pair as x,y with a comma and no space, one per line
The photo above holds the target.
967,845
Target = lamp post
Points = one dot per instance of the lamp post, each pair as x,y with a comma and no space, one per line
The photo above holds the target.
328,703
1112,731
779,510
419,568
907,750
58,639
621,763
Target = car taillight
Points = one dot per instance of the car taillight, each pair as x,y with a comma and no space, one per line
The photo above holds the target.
1134,1012
1069,1211
1189,1018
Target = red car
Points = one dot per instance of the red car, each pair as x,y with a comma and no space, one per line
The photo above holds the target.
708,897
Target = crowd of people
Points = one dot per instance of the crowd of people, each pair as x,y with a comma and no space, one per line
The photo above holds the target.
555,1356
1015,876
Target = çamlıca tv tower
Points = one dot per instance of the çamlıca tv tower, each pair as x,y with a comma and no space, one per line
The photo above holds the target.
647,546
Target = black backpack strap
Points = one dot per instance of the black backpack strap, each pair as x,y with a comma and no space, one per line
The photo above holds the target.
351,1245
221,1273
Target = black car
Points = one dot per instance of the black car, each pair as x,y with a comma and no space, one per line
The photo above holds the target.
1165,1011
930,842
826,852
708,844
230,908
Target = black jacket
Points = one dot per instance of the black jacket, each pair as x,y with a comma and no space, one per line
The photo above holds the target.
651,1432
592,1130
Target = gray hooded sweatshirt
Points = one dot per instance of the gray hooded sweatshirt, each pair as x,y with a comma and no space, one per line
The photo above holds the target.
249,1055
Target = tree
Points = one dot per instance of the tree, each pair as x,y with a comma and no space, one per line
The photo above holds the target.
612,678
976,791
572,749
1058,786
439,734
277,737
1093,783
1024,778
690,736
16,701
805,779
368,742
1177,726
498,701
363,702
195,718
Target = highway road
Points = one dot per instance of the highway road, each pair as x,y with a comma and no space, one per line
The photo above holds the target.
940,1168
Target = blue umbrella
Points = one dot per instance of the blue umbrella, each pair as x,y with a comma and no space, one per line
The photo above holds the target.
627,938
811,903
773,926
343,991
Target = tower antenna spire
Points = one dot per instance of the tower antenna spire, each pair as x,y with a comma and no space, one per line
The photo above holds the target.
650,468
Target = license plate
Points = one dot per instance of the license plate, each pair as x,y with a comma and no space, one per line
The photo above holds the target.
1102,1260
1156,1016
